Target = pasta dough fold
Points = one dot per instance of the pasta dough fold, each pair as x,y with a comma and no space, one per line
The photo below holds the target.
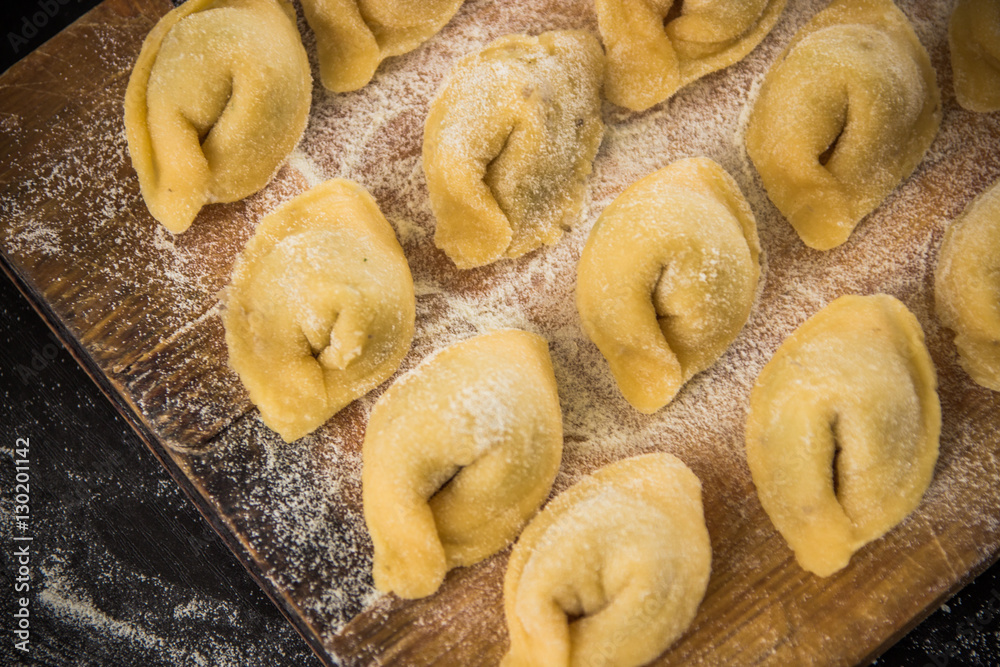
843,430
458,455
218,98
667,278
843,117
509,142
654,49
967,287
974,39
321,307
354,36
626,550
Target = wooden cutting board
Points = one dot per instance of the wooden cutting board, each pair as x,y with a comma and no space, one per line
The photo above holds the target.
139,309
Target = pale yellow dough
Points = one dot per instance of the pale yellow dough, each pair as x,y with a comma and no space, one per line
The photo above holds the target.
653,49
967,287
843,431
320,309
218,98
844,116
667,278
627,550
974,38
458,455
509,143
354,36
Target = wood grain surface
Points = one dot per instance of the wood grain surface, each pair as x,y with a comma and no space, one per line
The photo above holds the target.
141,310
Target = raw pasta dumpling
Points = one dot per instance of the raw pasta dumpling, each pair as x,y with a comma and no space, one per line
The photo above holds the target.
320,309
612,571
354,36
218,98
509,143
974,38
657,46
458,455
667,278
967,287
844,116
843,430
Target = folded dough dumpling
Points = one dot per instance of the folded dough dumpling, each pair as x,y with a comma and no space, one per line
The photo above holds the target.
354,36
967,287
843,430
320,309
509,143
974,38
218,98
844,116
667,278
458,455
612,571
657,46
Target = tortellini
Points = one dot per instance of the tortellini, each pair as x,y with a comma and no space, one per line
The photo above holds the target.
843,430
218,98
458,455
509,143
612,571
667,278
656,47
354,36
844,116
321,307
974,38
967,287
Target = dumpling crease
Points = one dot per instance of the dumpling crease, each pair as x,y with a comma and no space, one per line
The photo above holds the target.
218,98
843,430
844,116
320,309
667,278
458,455
612,571
509,142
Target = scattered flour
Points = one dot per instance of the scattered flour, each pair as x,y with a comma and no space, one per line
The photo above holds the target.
297,508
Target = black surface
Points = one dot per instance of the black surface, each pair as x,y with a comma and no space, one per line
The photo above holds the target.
123,570
27,24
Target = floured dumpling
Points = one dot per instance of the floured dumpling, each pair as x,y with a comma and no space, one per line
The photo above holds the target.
354,36
509,143
967,287
626,550
217,100
320,309
458,455
657,46
974,38
843,431
667,278
844,116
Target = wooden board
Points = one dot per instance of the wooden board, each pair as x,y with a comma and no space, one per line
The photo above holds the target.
139,308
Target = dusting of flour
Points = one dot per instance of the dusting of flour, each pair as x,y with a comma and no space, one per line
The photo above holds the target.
297,508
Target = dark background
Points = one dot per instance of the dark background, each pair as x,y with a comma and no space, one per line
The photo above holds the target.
125,572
